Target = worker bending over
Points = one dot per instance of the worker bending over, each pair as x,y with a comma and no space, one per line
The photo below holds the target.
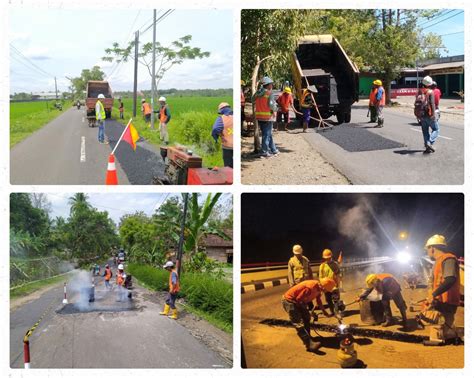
173,291
295,302
386,285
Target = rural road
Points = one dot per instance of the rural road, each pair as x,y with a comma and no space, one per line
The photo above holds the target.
66,152
106,334
392,154
276,346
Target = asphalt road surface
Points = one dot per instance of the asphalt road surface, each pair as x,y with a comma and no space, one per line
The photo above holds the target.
276,346
392,154
113,335
66,152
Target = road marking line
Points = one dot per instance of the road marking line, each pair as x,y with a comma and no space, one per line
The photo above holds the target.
83,119
83,149
439,136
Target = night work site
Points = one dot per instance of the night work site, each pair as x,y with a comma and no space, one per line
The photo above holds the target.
132,280
352,280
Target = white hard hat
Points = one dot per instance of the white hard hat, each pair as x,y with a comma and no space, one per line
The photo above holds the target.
162,99
169,264
101,96
428,81
297,249
120,266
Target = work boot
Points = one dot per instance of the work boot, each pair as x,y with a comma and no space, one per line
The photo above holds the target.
166,310
430,147
174,315
313,346
390,321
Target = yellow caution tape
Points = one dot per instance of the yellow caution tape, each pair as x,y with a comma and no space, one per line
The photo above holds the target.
32,329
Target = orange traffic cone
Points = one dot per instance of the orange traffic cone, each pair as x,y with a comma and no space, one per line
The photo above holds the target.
111,178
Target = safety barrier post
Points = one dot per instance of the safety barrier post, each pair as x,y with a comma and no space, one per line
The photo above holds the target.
26,352
65,295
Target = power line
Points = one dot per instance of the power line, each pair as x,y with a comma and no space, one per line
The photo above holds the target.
438,16
454,15
161,18
29,61
444,35
30,68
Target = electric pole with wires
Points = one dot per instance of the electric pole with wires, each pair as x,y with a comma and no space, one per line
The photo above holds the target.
153,89
135,75
181,236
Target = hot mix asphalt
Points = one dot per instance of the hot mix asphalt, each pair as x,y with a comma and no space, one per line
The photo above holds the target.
355,139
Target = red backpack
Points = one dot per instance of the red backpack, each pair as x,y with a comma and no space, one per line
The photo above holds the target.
422,104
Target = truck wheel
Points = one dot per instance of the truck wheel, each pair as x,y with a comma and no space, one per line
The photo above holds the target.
347,117
340,118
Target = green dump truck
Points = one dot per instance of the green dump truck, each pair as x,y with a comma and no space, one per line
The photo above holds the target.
321,61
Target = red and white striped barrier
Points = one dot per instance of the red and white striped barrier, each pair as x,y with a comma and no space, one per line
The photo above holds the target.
26,353
65,294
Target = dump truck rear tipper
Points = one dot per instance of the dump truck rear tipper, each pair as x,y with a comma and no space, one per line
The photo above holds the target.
94,88
321,61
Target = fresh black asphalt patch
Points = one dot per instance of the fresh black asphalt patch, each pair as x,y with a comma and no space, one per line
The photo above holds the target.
355,139
141,165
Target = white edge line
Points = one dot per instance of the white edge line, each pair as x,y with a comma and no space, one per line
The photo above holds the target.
439,136
83,149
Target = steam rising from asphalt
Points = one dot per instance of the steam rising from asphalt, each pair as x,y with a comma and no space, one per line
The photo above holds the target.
79,288
355,224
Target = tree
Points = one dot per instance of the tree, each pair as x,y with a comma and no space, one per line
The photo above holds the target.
41,201
79,84
78,202
25,217
166,56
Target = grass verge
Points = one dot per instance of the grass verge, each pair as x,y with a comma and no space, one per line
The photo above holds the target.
32,287
206,297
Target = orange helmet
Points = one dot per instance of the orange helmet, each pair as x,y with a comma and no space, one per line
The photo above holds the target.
328,284
327,254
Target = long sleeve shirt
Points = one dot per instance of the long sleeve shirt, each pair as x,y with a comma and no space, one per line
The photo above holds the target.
218,126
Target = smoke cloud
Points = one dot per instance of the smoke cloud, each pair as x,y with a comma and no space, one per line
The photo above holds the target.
79,288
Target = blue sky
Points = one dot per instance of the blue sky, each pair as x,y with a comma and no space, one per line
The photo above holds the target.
63,42
119,204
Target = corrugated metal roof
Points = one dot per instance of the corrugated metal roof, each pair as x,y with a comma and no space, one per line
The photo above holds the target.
441,66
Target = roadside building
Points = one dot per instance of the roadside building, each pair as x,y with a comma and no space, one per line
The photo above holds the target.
219,249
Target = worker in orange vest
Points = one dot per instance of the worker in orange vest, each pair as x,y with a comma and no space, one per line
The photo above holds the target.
386,285
146,110
296,302
372,100
173,291
224,127
379,102
242,104
445,291
107,276
165,117
120,277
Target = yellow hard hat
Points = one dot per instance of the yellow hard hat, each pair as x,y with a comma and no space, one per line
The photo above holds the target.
436,240
297,249
242,82
287,90
377,82
371,279
328,284
327,254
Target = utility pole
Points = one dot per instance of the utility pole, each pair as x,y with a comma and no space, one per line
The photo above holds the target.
152,125
135,75
181,235
56,87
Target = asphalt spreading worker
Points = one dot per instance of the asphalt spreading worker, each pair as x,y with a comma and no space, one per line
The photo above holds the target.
425,111
445,294
307,104
379,102
372,101
172,292
330,269
100,118
265,108
224,127
165,117
386,285
296,302
107,276
299,268
146,110
121,276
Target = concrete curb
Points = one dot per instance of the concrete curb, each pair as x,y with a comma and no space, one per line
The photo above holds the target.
262,285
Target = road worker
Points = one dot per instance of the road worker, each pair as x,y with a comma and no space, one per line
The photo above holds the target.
107,276
306,104
173,291
330,269
379,102
428,114
120,281
296,303
386,285
285,103
242,104
372,101
445,294
165,117
299,268
265,108
121,108
224,127
100,118
146,110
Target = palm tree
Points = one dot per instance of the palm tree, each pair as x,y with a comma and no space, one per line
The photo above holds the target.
78,201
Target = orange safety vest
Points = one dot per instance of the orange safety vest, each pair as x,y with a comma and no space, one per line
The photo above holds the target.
293,294
227,135
163,115
108,274
453,295
373,94
176,287
146,108
119,278
263,112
